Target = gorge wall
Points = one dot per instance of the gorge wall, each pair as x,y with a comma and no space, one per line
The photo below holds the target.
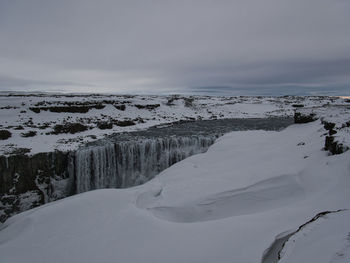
30,181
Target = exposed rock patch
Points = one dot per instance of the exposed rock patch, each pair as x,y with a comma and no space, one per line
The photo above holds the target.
188,101
5,134
69,128
105,125
125,123
297,105
304,117
19,127
148,106
28,134
331,144
120,107
69,109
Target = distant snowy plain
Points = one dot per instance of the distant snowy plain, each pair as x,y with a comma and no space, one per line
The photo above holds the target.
21,113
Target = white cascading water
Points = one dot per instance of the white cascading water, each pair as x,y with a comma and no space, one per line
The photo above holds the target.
129,163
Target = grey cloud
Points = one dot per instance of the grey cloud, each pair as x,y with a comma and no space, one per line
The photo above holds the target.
179,44
271,90
9,82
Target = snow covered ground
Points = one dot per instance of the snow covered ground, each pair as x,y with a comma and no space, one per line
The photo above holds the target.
327,239
226,205
41,122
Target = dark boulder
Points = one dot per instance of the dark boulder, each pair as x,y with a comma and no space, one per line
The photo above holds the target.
120,107
5,134
328,125
105,125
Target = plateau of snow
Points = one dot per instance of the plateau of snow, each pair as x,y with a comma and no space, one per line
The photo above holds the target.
22,113
226,205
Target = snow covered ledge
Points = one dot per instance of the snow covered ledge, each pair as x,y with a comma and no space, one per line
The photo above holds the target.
328,241
335,120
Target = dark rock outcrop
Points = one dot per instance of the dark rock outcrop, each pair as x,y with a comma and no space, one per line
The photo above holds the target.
28,134
69,108
105,125
69,128
188,101
125,123
304,118
331,145
148,106
120,107
328,125
19,127
5,134
297,105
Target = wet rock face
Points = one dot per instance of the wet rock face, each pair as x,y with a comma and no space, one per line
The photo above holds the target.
30,181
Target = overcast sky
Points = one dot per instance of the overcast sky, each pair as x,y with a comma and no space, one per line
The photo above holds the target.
180,46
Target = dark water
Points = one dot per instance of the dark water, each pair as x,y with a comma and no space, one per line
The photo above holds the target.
200,128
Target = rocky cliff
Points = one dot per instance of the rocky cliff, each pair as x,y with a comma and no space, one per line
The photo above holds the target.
30,181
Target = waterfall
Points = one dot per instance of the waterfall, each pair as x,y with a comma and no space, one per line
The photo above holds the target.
128,163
